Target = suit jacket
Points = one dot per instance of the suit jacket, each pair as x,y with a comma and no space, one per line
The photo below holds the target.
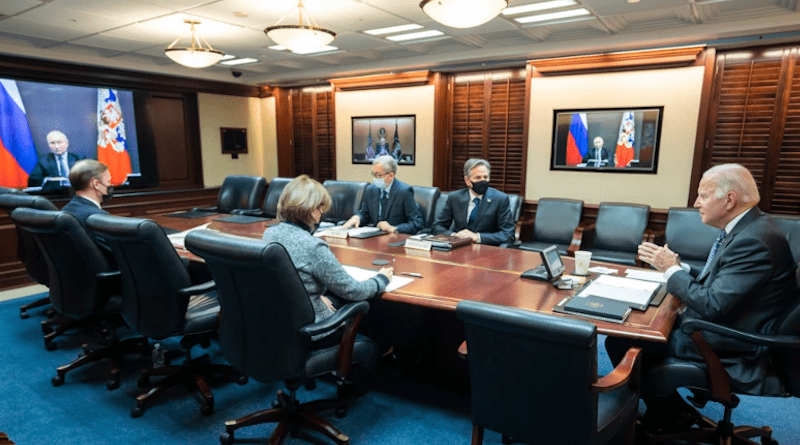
591,157
749,283
47,167
494,221
402,210
82,208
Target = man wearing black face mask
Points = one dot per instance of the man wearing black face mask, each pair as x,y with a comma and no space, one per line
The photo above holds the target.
479,212
92,183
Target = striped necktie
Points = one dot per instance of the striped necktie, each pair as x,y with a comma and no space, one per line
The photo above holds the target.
713,252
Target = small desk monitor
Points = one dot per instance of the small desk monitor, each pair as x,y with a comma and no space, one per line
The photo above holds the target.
552,262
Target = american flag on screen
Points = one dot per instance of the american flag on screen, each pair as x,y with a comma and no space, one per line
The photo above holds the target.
112,146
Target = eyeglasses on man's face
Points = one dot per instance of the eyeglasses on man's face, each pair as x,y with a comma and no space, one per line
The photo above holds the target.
379,175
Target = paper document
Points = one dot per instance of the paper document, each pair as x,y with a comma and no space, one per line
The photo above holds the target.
647,275
365,274
602,270
362,230
636,292
177,239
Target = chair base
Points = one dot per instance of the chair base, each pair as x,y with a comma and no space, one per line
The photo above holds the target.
711,432
192,373
290,415
113,351
23,310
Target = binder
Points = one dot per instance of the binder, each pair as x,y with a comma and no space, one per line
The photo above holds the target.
447,242
596,307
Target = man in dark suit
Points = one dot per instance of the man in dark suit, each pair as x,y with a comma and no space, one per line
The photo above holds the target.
57,163
596,156
479,212
747,282
388,203
92,183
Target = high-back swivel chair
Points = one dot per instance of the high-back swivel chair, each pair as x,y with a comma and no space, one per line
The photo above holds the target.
266,331
238,192
533,377
426,198
346,199
617,232
159,301
687,236
555,223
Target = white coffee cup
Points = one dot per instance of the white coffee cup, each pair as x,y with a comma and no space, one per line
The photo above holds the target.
582,258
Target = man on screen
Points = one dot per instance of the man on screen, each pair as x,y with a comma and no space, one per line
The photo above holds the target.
55,164
596,156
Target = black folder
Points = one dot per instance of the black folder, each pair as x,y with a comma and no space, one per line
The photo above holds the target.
596,307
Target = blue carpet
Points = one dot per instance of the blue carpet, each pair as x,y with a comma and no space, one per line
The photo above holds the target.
398,410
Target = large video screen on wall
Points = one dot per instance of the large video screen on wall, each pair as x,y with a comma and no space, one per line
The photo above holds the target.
39,119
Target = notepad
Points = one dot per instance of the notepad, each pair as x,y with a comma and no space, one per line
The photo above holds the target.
635,293
365,274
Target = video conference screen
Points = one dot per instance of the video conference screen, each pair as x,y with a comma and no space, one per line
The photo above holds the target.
40,119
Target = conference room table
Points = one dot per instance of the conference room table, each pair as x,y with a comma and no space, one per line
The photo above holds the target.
474,272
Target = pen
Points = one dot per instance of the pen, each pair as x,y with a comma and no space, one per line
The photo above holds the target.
412,274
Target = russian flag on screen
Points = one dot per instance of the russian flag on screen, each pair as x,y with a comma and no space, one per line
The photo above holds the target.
624,152
112,146
17,152
577,139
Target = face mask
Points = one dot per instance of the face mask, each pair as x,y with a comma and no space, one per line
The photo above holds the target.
480,187
109,193
379,182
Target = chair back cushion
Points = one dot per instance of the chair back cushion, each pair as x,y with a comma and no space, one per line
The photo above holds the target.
620,227
73,260
346,199
515,205
790,226
556,220
530,373
263,304
152,273
687,235
28,252
427,198
240,192
270,209
439,206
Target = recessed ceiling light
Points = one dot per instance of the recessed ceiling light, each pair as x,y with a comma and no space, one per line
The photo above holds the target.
239,61
538,7
553,16
393,29
324,49
415,35
633,1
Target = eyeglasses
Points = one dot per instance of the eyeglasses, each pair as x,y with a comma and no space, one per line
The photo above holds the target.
379,175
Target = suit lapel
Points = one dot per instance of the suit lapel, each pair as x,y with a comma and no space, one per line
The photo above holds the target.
746,219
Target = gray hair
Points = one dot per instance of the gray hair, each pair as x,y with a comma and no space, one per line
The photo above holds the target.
388,163
475,162
735,178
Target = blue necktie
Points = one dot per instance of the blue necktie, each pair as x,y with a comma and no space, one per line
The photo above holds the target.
384,204
63,168
713,252
474,212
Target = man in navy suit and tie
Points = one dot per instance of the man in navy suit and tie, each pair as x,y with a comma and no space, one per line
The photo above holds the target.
478,212
388,203
92,183
747,283
55,164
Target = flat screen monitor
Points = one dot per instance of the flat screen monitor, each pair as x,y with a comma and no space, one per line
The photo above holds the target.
552,262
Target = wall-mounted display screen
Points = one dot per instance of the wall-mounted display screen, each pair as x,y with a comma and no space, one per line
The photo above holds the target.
375,136
40,122
609,140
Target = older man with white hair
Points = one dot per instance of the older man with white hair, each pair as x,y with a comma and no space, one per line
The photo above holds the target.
55,164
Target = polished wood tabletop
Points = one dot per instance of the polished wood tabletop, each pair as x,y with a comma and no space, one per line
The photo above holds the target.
474,272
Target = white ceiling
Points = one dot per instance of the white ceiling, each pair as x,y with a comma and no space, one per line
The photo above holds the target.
132,34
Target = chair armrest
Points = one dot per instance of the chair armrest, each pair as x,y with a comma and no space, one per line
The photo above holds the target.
109,283
350,315
626,370
578,238
770,340
205,209
658,236
114,274
248,212
514,245
335,321
197,289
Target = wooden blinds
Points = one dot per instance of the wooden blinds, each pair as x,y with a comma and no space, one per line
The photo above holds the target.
313,133
755,121
488,121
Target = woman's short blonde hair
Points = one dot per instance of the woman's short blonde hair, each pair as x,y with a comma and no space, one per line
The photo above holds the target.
301,196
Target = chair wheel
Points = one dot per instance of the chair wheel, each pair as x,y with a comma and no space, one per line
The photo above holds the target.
226,438
207,409
112,383
137,411
46,328
242,380
341,412
50,345
143,381
23,314
57,380
768,441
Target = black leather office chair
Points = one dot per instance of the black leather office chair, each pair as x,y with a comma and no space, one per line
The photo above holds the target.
82,287
270,207
515,204
238,192
346,199
266,330
438,209
790,226
709,381
159,301
28,252
616,234
427,198
687,236
533,378
556,222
